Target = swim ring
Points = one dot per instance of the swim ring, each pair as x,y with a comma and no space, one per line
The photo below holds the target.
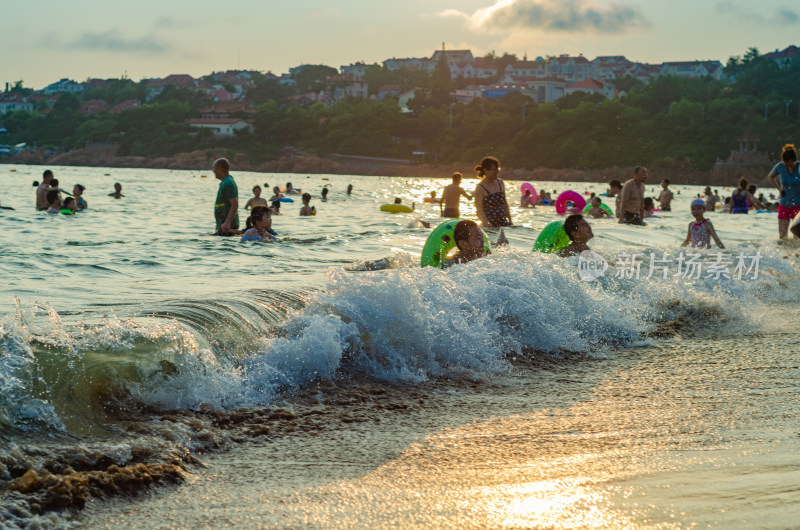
552,238
603,206
396,208
431,199
529,186
441,241
572,196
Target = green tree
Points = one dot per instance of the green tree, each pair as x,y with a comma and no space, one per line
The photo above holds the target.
67,101
313,77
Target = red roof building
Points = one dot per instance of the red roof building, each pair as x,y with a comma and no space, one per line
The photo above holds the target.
94,106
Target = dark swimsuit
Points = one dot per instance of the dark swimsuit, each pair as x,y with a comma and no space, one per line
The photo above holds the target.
632,218
494,207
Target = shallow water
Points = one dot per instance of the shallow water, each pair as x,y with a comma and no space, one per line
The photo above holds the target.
285,384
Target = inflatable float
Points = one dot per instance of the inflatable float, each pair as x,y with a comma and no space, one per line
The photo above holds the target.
569,196
603,206
441,241
396,208
552,238
528,186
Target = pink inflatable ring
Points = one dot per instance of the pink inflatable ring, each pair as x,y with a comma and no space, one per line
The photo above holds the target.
569,196
529,186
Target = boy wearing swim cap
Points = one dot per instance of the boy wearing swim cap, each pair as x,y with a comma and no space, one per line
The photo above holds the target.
701,231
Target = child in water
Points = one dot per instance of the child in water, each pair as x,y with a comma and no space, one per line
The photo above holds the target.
527,200
701,230
69,206
649,206
53,201
579,233
596,211
259,225
276,194
469,241
307,209
80,202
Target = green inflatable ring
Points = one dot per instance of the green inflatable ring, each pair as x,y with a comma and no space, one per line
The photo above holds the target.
552,238
441,241
603,206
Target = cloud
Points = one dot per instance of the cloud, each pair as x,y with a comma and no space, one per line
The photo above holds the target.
113,41
169,23
782,16
564,16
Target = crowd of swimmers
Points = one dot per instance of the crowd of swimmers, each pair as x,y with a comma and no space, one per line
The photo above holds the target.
50,197
632,207
258,225
492,209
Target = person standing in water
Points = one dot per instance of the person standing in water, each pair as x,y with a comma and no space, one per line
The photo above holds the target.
41,191
741,199
785,176
307,209
256,199
117,193
615,190
631,200
665,197
701,231
490,195
711,199
451,196
80,202
227,204
349,189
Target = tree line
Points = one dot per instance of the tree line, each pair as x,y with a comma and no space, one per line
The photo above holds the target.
670,120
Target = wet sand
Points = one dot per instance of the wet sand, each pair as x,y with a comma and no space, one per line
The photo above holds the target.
694,430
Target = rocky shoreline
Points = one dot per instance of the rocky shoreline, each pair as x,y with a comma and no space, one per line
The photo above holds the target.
105,156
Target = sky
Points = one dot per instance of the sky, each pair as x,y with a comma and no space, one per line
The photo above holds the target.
43,41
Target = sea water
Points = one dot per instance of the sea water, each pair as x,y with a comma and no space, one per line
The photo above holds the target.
154,375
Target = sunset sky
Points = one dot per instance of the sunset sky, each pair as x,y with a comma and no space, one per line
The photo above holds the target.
45,40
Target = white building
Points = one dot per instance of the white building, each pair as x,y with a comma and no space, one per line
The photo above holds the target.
592,86
426,65
64,85
570,69
693,69
348,86
222,126
358,69
475,69
14,103
526,69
